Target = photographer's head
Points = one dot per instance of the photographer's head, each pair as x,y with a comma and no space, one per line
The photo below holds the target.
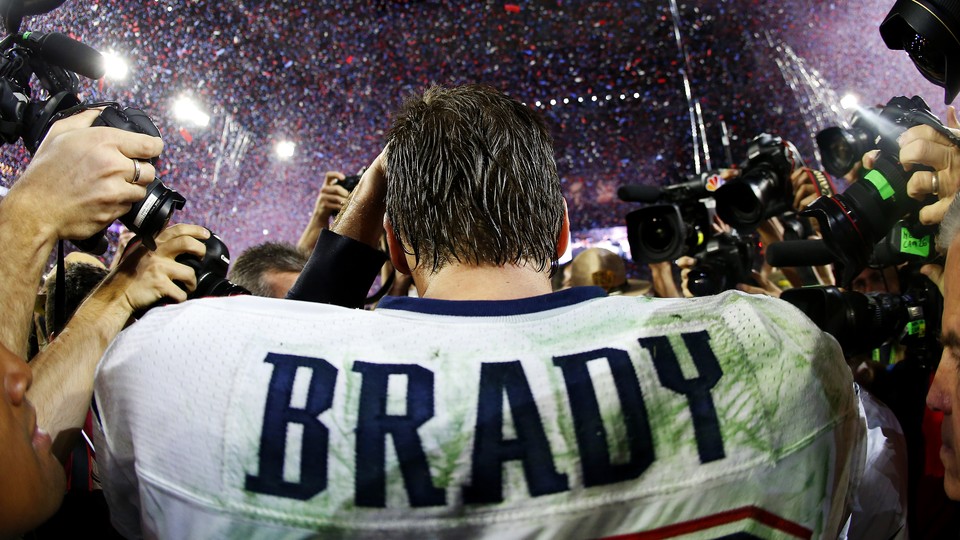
472,181
268,269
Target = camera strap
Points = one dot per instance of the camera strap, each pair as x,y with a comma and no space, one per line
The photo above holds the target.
823,182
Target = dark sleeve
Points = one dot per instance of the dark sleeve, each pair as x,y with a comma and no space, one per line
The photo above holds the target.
339,272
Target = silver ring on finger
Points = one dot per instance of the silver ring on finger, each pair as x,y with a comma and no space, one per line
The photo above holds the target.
136,172
936,185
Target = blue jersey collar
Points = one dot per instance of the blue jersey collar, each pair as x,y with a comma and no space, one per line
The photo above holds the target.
492,308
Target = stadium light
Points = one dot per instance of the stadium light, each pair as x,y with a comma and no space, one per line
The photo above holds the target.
115,67
849,101
285,149
187,109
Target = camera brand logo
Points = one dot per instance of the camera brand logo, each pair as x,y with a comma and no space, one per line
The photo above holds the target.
714,181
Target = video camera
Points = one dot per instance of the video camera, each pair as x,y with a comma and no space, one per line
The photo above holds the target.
684,226
863,322
853,222
55,60
664,232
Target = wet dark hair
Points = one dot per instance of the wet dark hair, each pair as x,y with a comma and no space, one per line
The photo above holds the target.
471,178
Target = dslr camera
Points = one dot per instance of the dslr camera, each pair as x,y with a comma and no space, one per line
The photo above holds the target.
854,221
763,189
211,270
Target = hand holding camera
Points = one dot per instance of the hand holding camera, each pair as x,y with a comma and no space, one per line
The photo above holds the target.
928,147
90,171
144,277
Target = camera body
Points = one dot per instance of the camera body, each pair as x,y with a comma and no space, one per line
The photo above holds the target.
854,221
54,58
763,190
349,183
150,215
724,261
211,270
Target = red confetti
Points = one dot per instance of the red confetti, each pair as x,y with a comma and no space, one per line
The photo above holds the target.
350,59
511,8
186,135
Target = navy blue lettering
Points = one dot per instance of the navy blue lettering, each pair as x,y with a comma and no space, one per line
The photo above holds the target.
278,415
588,422
706,424
491,450
373,426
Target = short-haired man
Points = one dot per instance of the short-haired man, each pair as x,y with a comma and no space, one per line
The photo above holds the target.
490,407
268,269
944,392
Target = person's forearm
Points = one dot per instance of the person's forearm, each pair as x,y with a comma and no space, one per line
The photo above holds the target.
27,243
308,239
362,216
63,372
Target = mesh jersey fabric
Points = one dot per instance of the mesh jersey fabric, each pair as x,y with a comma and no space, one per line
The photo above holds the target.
570,415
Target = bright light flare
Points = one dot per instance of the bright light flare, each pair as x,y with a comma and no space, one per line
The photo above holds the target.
285,149
115,67
187,110
849,101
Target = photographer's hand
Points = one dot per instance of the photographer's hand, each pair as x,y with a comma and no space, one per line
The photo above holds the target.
144,276
804,192
766,286
923,145
329,201
685,263
63,372
77,183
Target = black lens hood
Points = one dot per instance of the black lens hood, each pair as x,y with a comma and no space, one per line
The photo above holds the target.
937,21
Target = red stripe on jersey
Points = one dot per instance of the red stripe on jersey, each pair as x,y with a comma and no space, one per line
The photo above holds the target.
750,512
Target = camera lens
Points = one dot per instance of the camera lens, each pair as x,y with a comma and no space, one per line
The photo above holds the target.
149,216
211,271
927,30
841,149
657,234
928,58
859,322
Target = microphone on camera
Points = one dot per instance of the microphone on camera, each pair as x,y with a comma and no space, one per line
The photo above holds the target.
66,52
639,193
799,253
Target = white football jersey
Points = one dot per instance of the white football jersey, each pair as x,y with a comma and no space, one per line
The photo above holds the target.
569,415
